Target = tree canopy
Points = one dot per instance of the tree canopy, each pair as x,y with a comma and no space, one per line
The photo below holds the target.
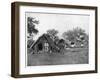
52,32
31,25
77,36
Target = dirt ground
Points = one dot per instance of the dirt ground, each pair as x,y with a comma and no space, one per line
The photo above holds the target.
69,56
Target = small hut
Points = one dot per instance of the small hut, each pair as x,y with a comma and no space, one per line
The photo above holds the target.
44,44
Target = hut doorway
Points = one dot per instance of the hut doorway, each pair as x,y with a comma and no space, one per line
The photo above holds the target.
40,47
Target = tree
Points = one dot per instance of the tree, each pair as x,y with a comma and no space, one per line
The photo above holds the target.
77,37
31,22
53,34
31,25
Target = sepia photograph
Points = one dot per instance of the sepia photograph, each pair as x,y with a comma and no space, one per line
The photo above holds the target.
57,39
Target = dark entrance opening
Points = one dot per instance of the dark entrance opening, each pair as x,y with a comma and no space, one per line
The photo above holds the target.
40,47
72,43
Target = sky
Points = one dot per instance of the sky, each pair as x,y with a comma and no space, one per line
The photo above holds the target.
60,22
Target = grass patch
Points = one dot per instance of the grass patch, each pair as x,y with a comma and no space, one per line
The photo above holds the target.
68,56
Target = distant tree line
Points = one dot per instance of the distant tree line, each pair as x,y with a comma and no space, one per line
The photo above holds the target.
76,37
72,38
